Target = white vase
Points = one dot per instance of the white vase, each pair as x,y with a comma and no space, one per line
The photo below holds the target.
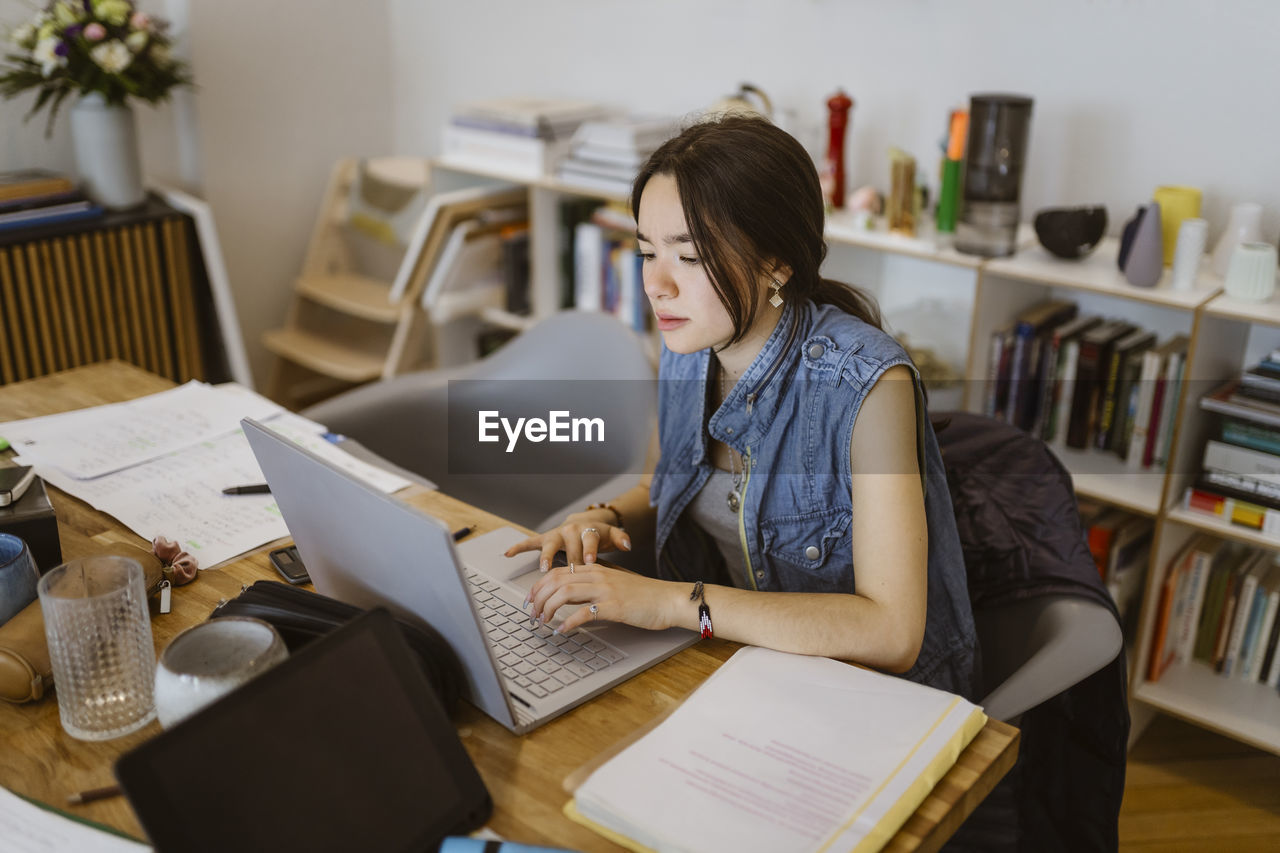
106,145
1244,226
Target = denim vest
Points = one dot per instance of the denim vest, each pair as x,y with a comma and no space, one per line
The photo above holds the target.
791,417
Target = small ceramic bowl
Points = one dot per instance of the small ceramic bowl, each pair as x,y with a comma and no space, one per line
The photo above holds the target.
207,661
1071,232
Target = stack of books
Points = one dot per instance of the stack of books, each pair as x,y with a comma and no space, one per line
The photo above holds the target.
31,197
605,154
1084,381
1218,605
1240,478
527,137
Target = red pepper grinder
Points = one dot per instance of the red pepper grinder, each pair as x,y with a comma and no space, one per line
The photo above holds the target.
838,120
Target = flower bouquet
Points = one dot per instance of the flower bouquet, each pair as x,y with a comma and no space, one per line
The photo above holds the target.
85,47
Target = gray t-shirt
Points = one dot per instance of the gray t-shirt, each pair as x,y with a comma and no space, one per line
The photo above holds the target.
710,510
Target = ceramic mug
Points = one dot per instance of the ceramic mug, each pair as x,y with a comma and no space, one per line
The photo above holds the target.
18,576
1252,274
1176,205
211,659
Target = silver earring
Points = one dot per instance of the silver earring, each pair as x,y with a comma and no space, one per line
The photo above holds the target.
776,299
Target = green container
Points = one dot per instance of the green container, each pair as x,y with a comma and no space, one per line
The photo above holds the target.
949,196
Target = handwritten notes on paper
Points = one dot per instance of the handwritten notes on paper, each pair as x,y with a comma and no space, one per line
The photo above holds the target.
781,752
91,442
155,484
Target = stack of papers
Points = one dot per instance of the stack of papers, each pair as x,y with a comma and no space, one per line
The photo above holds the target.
780,752
159,464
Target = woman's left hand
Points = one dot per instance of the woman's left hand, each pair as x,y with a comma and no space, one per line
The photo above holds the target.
615,594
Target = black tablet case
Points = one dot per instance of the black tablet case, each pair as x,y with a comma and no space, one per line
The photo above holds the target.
344,746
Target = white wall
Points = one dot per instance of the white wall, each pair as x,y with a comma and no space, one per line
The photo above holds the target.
1129,94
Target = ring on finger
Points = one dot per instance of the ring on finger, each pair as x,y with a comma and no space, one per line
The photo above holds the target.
595,608
587,530
571,568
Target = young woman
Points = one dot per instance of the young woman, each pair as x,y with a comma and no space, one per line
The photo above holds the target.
799,499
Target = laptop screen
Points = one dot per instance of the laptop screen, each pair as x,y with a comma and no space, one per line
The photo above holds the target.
341,747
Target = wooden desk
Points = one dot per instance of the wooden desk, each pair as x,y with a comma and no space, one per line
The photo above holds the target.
524,774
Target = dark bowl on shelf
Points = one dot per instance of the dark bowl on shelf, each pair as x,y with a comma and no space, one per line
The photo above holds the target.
1071,232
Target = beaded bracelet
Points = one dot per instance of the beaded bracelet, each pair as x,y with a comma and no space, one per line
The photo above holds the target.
704,612
613,509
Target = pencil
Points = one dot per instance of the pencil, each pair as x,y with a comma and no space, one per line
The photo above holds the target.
94,794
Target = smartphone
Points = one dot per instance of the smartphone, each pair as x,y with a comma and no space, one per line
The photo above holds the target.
289,565
14,482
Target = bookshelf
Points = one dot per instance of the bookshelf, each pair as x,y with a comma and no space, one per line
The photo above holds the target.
1225,334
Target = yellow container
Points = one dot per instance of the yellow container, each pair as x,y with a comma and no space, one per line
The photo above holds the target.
1176,204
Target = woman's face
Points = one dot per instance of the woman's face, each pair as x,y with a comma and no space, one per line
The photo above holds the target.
688,310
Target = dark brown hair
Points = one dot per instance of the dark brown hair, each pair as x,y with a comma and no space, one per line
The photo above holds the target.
751,197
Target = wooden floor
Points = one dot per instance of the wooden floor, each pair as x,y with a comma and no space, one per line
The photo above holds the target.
1188,789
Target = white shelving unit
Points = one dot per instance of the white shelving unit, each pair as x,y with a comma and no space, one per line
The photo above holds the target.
1225,334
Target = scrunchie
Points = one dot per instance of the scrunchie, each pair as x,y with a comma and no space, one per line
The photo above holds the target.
184,565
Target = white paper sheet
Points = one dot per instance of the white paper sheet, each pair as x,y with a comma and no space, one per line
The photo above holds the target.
179,495
26,828
91,442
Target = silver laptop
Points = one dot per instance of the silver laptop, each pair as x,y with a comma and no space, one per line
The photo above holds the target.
368,548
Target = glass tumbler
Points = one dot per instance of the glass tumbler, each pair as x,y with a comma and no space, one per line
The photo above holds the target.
99,633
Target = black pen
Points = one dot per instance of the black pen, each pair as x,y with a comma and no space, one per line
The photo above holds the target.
255,489
462,532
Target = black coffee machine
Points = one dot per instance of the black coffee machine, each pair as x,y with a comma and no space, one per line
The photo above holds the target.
996,151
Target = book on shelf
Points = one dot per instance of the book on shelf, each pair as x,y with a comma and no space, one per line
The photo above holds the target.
1253,465
1173,586
624,133
1226,400
613,181
999,356
607,274
1242,617
1127,560
1269,672
44,212
1101,533
515,267
1215,598
1059,357
1094,358
1029,328
1114,396
1151,431
1243,433
721,774
530,157
1170,389
1266,602
545,118
1240,510
1206,553
1230,610
31,183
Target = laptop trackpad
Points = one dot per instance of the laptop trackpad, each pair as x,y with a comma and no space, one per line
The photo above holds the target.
484,554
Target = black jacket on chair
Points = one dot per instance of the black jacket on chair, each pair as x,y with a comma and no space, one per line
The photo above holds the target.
1022,537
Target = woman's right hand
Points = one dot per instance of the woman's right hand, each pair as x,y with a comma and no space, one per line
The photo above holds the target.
581,536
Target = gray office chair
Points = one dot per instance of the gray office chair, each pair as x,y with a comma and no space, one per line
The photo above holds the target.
405,420
1032,650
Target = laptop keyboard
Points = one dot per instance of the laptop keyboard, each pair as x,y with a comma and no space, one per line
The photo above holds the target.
529,653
